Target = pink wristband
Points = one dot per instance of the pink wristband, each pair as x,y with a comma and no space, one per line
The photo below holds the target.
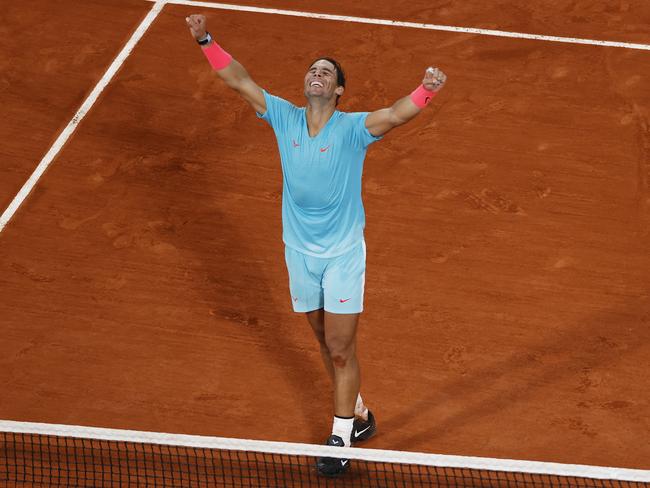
219,59
421,96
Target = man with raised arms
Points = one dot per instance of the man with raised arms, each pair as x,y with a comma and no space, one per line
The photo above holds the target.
322,152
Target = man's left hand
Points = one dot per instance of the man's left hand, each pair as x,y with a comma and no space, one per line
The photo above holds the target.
434,79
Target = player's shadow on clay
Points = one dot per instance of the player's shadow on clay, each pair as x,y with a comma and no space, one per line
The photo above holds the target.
242,261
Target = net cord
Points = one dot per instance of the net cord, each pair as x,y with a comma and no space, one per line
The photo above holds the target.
287,448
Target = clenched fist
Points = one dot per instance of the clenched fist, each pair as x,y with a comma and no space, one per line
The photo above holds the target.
434,79
196,23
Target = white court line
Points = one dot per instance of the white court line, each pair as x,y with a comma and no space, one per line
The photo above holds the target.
78,117
414,25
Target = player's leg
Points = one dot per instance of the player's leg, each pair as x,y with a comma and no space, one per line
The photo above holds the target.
340,337
364,423
341,342
316,319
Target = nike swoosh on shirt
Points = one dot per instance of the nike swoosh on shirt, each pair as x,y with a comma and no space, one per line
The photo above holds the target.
324,149
343,301
295,144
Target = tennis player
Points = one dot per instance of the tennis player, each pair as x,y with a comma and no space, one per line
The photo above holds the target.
322,151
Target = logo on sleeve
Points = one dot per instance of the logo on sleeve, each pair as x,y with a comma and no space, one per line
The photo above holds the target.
294,143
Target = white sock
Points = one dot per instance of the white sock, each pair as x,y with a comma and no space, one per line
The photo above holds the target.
342,427
360,409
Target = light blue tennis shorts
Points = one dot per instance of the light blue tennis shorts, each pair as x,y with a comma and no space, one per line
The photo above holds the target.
335,284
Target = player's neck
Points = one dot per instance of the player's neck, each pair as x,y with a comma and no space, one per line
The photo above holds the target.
317,116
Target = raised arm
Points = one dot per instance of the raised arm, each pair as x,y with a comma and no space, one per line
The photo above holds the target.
380,122
228,69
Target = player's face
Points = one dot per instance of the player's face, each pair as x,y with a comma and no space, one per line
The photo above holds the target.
320,80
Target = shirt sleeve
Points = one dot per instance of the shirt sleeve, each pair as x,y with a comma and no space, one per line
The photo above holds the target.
361,137
277,111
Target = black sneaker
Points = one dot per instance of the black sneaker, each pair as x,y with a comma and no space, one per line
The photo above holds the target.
363,429
332,466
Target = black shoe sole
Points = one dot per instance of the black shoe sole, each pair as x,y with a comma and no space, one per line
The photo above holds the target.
332,470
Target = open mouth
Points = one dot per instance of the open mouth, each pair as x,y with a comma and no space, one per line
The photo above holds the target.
316,83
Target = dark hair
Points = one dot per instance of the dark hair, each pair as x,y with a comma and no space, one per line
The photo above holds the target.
340,74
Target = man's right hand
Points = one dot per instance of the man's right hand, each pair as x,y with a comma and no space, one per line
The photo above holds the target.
196,23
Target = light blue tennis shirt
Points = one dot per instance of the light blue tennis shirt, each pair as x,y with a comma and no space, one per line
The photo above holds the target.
322,212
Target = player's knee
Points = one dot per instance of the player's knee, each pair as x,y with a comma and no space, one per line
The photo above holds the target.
340,351
339,361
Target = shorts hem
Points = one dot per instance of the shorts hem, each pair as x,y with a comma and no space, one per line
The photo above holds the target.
306,309
343,312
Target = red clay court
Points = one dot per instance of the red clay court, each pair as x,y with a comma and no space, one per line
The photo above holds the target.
142,278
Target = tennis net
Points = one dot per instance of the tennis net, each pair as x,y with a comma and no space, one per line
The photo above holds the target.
34,454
